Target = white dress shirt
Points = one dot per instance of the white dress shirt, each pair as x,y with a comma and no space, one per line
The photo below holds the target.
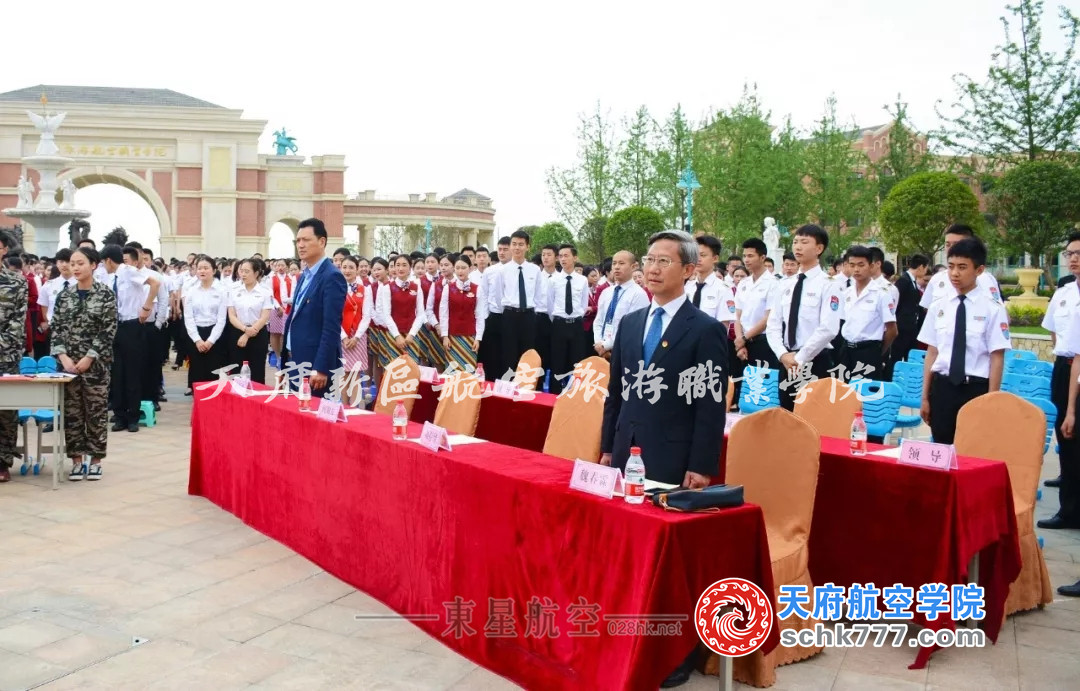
987,331
129,284
489,286
941,288
206,307
535,282
249,304
481,308
882,282
431,310
631,297
1063,318
752,298
474,276
383,309
818,318
49,291
665,313
717,300
867,313
579,295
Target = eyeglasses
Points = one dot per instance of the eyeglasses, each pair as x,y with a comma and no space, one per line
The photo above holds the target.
1072,253
660,262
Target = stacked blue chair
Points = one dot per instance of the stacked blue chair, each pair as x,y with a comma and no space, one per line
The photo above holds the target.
880,404
918,356
1026,386
1020,355
1033,368
760,390
908,376
1050,410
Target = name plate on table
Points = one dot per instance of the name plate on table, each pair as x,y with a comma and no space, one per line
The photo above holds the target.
729,421
240,386
434,438
331,411
927,454
504,389
601,480
428,374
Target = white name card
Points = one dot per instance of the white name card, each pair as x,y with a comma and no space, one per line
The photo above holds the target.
927,454
434,438
504,389
428,374
331,411
240,386
593,478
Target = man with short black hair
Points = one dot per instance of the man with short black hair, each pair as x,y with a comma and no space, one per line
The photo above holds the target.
753,299
909,315
340,255
941,287
520,289
791,265
869,323
705,290
568,299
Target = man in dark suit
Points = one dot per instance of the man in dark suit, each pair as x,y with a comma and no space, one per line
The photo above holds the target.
908,312
313,328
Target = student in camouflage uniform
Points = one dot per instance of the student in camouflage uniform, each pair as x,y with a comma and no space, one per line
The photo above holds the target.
13,304
83,326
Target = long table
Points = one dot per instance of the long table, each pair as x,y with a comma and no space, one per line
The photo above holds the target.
529,417
39,393
418,530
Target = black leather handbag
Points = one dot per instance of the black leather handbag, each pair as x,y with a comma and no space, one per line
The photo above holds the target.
708,499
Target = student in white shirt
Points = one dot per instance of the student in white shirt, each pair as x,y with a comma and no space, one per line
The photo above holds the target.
519,288
940,287
974,324
804,316
49,291
568,299
707,291
869,319
621,298
490,351
206,306
752,300
249,307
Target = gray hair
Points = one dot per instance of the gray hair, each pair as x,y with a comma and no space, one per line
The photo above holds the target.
688,252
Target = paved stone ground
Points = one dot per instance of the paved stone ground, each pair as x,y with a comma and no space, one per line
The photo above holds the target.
90,567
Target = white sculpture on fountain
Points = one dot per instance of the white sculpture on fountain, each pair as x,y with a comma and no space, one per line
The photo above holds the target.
25,190
771,236
47,126
69,195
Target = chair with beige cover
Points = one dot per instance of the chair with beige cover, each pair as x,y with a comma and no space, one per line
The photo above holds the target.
528,371
1004,427
578,416
459,403
403,376
830,410
774,455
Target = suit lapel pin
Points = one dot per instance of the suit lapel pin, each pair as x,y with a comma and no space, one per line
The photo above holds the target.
663,344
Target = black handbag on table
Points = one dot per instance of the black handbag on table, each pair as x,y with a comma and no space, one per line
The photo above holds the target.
711,498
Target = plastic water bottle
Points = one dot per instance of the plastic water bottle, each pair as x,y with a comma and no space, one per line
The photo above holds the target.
634,481
858,435
401,422
305,395
245,371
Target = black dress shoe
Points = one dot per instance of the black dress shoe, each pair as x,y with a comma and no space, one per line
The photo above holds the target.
118,426
133,427
1070,590
157,407
1053,482
1058,522
681,675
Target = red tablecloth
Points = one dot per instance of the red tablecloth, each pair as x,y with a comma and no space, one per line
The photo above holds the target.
879,521
417,529
523,423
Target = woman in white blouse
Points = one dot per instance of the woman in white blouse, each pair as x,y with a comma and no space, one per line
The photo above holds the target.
250,303
205,310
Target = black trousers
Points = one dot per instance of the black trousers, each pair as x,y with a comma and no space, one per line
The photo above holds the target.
905,341
819,367
151,370
125,390
518,335
946,400
736,369
254,352
490,354
543,339
861,357
568,347
41,348
181,340
759,353
1068,449
203,364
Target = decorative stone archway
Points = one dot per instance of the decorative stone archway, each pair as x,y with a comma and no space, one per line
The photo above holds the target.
86,176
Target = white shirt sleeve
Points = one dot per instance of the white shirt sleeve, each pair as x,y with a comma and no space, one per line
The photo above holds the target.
222,317
775,325
369,307
601,313
444,312
828,324
382,309
481,311
421,314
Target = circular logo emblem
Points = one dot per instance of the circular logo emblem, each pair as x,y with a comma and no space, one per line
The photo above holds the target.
733,617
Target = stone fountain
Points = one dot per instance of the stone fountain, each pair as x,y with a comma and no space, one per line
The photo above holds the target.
41,210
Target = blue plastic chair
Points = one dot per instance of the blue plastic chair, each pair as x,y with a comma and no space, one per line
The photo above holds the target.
918,356
1050,410
908,376
1032,368
1021,355
880,404
755,397
1026,386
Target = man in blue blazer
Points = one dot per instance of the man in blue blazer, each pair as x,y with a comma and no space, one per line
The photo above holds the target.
679,431
313,328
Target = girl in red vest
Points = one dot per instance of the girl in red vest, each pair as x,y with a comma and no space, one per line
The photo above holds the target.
434,299
462,311
281,286
355,319
428,338
400,306
363,271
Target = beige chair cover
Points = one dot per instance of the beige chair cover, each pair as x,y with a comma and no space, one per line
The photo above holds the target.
774,455
578,417
407,385
831,418
528,371
459,403
1003,427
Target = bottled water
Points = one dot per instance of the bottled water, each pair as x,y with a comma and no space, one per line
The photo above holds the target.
305,395
480,371
401,421
634,481
245,371
858,435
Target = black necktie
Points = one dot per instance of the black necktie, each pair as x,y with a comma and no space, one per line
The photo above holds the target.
697,295
523,303
569,297
957,366
793,314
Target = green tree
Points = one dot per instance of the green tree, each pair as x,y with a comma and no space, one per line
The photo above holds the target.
630,228
590,240
675,147
840,196
1029,105
1037,203
919,207
906,154
590,188
636,169
553,233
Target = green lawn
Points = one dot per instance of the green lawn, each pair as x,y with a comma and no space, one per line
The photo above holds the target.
1029,330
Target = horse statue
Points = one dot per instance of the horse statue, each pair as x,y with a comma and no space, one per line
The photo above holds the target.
284,142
